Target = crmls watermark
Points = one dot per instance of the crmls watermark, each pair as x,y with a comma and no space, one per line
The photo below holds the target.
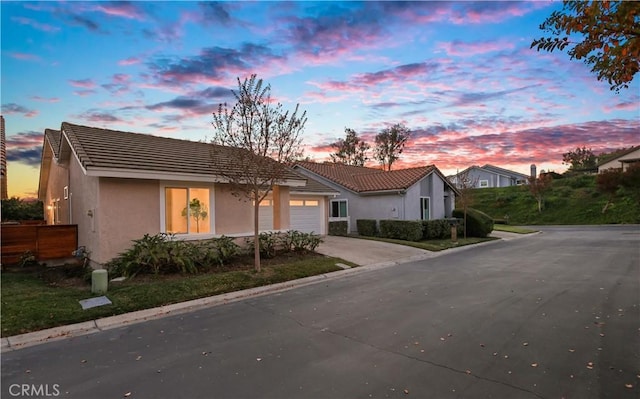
34,390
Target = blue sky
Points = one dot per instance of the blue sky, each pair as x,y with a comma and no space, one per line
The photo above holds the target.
460,75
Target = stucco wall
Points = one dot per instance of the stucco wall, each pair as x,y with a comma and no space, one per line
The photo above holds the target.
127,210
234,215
58,179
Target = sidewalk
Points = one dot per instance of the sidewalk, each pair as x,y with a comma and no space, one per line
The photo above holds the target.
370,254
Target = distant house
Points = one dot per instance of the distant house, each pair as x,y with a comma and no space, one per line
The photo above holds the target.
489,176
621,160
117,186
420,193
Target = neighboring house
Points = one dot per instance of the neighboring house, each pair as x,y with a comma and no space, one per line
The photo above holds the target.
421,193
118,186
621,160
490,176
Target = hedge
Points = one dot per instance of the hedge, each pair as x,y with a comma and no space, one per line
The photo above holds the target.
436,229
367,227
408,230
338,228
479,224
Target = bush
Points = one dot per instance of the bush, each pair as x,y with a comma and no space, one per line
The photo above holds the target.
338,228
436,229
297,241
268,242
162,253
408,230
479,224
367,227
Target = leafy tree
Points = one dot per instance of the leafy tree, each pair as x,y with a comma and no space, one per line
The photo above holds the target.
608,183
630,180
197,210
15,209
538,187
261,138
580,160
390,144
610,33
351,150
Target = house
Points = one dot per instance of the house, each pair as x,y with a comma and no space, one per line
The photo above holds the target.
490,176
420,193
118,186
621,160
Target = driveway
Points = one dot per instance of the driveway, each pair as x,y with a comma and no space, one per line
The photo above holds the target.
555,315
366,252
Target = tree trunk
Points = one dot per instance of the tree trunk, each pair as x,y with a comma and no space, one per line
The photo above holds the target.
606,206
256,235
539,205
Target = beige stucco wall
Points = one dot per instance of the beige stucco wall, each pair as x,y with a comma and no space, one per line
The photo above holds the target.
234,215
127,210
58,179
83,194
618,162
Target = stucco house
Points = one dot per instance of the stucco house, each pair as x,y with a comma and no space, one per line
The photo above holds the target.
621,160
421,193
490,176
117,186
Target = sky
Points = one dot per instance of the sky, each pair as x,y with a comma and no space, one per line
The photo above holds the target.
460,75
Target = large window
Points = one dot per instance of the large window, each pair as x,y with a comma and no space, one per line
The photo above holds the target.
187,210
338,208
483,183
424,208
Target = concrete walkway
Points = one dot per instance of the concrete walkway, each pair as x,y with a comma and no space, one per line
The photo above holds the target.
370,254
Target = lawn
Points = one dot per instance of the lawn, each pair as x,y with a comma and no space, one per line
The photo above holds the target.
32,301
432,245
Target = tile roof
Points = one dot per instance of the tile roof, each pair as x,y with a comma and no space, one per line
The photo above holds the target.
496,169
54,138
99,148
362,179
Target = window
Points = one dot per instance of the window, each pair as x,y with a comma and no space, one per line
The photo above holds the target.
296,203
311,203
339,208
424,208
187,210
483,183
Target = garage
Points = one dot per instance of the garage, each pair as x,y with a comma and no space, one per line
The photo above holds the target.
306,215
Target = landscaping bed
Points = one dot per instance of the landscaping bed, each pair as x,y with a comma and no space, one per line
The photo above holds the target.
37,297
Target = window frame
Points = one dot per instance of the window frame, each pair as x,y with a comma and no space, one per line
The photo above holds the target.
338,201
422,198
483,183
189,186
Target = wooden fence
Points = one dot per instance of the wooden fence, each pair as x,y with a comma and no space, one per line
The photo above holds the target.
43,241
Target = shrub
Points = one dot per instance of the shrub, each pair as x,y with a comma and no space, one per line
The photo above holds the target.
299,242
367,227
268,242
338,228
436,229
479,224
408,230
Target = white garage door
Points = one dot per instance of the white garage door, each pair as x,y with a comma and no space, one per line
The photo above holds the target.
306,215
265,215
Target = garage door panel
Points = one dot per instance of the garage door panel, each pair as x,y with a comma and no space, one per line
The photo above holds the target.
305,218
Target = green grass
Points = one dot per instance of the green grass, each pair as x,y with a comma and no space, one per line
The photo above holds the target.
572,200
512,229
432,245
30,304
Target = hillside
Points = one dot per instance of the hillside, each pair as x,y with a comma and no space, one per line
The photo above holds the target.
573,200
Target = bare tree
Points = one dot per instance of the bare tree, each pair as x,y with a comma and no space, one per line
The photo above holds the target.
390,144
351,150
466,186
259,140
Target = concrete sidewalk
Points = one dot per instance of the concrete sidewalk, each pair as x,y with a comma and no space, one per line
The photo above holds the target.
370,254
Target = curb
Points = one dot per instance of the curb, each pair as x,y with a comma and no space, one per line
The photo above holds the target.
21,341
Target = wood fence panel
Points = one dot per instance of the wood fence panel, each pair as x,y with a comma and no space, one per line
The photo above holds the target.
44,241
55,242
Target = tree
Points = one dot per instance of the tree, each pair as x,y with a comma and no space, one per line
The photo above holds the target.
538,187
260,139
630,180
197,210
610,33
16,209
580,160
608,183
351,150
390,144
466,186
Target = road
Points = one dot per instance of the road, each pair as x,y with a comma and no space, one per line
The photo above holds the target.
553,315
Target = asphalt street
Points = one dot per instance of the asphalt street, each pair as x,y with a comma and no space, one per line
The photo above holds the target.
553,315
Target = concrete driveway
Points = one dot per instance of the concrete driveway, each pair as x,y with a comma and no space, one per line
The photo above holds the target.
366,252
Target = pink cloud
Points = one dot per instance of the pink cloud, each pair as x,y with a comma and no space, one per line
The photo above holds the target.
24,56
44,99
84,83
84,93
462,49
130,61
631,105
35,24
122,9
